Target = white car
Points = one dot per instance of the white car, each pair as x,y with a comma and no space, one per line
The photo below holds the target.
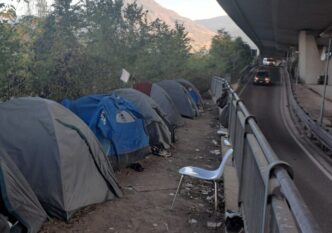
269,61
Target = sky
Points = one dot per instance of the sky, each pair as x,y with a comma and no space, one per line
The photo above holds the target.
194,9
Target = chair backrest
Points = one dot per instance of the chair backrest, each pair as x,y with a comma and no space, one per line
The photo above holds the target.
221,168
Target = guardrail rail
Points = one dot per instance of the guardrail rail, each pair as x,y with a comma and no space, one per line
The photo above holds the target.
268,198
312,128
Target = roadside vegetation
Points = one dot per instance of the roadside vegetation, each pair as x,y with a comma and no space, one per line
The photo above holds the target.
81,48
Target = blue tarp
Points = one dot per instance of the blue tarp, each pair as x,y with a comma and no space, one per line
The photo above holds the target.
117,123
194,96
193,91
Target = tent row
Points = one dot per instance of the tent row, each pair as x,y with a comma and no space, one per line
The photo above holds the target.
59,165
128,122
58,158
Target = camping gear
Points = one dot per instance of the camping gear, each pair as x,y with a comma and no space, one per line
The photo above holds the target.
193,91
181,97
58,155
165,102
17,200
118,125
156,123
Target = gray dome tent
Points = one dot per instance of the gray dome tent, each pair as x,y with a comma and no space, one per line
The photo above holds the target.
181,98
58,155
165,102
189,85
155,119
17,200
4,225
161,97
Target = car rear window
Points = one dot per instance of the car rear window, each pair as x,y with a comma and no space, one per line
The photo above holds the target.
262,74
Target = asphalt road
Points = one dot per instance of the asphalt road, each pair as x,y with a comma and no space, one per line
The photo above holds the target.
316,188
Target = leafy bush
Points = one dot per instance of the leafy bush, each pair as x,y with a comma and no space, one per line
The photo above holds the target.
81,48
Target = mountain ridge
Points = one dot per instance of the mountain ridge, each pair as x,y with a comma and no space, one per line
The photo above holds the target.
225,22
200,35
199,31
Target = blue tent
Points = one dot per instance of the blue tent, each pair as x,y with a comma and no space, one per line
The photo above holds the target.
117,123
194,96
193,91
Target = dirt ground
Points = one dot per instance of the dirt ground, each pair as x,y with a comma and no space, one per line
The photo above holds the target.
145,206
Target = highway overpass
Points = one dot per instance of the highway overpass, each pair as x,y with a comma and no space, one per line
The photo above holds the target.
283,28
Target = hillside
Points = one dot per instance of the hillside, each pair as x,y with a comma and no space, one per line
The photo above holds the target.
225,22
200,35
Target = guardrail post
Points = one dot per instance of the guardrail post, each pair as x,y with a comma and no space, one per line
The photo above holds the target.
246,130
256,162
268,174
232,119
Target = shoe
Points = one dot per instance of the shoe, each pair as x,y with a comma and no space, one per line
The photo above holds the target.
164,153
155,150
136,167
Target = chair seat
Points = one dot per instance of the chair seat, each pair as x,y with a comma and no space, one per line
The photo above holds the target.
199,173
222,132
204,174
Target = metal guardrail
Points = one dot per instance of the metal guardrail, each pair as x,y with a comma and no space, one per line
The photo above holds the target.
217,86
313,129
268,198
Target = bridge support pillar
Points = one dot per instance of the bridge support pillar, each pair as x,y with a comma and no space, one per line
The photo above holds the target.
310,65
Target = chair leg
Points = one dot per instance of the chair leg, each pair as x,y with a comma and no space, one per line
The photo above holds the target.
177,190
215,196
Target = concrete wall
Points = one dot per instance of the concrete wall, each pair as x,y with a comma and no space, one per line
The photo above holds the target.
310,65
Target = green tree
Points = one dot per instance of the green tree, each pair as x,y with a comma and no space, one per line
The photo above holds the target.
227,55
222,53
57,62
166,55
8,55
122,37
9,51
81,47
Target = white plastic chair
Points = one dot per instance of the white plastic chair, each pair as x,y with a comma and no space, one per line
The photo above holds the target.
227,143
204,174
222,132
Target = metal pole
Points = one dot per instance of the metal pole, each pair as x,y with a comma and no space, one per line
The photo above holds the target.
297,75
325,84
